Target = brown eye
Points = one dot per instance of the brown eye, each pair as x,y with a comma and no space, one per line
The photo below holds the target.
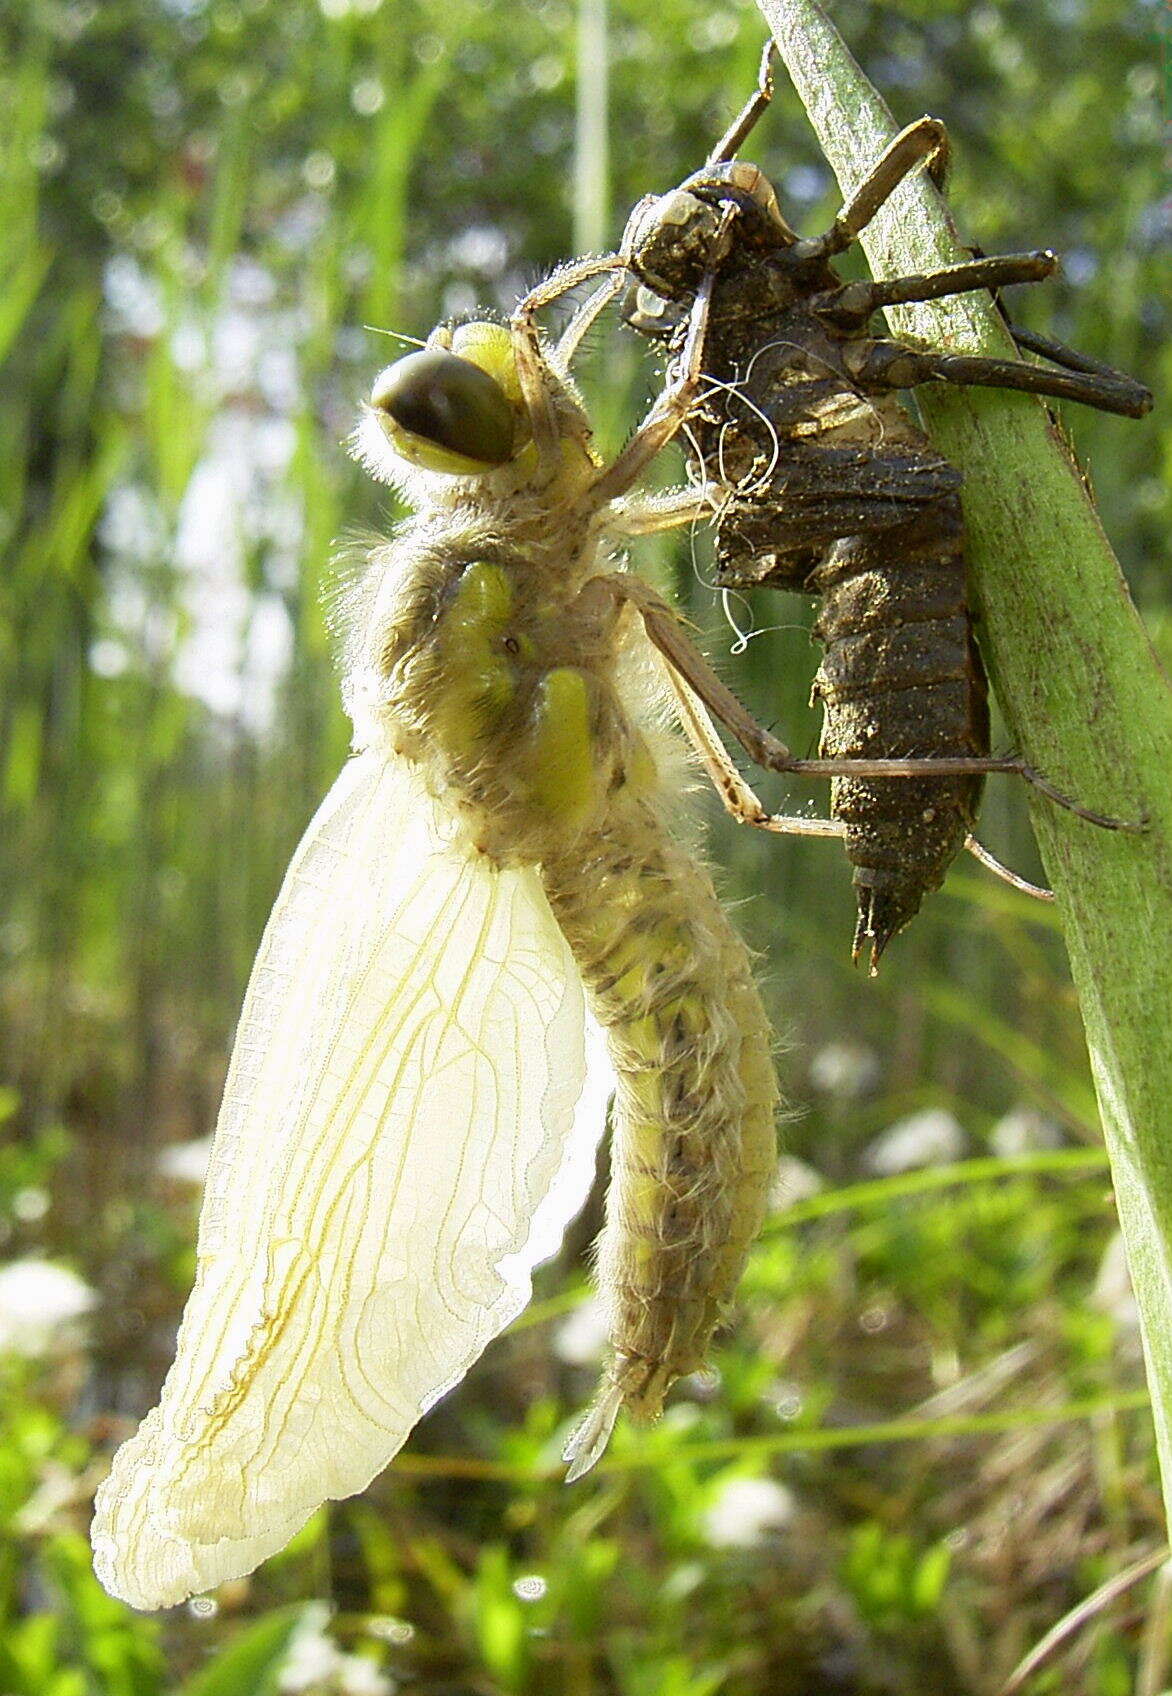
440,398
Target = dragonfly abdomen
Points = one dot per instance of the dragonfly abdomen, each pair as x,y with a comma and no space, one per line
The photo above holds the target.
694,1143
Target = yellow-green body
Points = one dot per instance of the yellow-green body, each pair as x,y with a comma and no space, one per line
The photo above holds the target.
536,716
413,1096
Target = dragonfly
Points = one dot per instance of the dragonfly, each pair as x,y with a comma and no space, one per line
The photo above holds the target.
490,928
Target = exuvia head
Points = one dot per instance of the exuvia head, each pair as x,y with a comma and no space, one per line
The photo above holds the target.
672,239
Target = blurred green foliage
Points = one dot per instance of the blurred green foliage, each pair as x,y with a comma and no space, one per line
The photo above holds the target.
206,203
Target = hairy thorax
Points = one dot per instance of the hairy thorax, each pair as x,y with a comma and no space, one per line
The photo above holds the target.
483,663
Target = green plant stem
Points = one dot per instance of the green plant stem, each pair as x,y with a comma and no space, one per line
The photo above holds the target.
591,105
799,1440
1073,669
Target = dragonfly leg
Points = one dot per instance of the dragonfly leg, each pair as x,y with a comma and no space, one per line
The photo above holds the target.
668,411
649,515
1013,879
743,804
533,368
570,339
737,133
850,306
737,796
1058,352
924,141
667,634
885,364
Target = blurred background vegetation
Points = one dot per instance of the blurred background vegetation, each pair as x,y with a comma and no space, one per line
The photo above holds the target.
210,209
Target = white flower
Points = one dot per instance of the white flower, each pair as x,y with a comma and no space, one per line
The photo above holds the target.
580,1339
931,1138
313,1657
358,1676
30,1204
58,1489
746,1510
314,1662
1113,1294
39,1305
344,8
844,1068
1022,1130
793,1182
186,1162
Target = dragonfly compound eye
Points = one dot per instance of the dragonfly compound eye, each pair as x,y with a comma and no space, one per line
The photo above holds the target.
443,412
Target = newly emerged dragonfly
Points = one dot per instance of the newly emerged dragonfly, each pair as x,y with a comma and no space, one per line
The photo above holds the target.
419,1081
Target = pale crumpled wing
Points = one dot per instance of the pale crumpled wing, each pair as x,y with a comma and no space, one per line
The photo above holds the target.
409,1120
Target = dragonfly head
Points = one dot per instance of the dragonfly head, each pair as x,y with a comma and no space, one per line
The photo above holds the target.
455,406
